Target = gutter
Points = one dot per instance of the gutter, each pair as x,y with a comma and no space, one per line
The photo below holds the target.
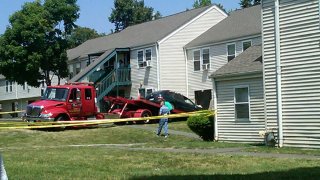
186,76
278,73
158,65
214,89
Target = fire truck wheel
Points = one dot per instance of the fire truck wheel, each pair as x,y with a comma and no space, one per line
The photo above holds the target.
146,114
61,118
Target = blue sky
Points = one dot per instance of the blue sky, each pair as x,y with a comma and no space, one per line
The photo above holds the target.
94,13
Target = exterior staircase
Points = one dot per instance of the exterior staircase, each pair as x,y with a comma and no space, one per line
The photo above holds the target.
117,77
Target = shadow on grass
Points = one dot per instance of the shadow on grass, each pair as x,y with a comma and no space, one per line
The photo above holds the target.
299,173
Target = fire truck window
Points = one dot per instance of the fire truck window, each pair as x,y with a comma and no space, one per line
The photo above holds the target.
73,95
88,94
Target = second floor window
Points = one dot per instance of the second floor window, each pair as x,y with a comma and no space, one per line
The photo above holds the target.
196,60
231,51
8,86
144,58
246,45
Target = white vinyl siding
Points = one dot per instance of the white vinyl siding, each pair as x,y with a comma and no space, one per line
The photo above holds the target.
172,59
217,56
231,129
299,53
143,77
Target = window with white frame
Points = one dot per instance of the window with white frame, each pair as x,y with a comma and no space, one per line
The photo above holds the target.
140,59
196,60
8,86
205,59
231,51
241,103
78,67
144,56
246,45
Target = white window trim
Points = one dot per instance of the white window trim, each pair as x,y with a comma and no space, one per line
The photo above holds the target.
245,42
235,50
201,58
10,84
145,54
234,103
197,60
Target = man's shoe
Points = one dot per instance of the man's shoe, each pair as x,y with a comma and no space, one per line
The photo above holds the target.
165,136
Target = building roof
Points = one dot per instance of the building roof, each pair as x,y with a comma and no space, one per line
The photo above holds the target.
250,61
136,35
2,76
240,23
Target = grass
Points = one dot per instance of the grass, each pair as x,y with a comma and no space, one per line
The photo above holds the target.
175,125
33,154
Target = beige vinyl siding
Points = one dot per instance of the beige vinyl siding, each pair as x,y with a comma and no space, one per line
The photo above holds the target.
17,91
236,130
146,75
198,80
299,49
172,57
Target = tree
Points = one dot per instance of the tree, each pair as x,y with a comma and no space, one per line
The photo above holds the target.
130,12
33,47
81,34
201,3
248,3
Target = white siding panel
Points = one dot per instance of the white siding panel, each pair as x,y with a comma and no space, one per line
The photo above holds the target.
172,57
146,76
299,48
229,128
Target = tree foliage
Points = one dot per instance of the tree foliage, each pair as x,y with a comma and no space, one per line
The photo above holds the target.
130,12
201,3
81,34
248,3
33,47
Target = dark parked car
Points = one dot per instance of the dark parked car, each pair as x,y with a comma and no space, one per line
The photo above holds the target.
178,101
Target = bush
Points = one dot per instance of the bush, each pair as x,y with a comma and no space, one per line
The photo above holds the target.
202,125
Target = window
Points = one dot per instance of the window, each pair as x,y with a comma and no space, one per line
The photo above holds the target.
205,59
8,86
241,103
246,45
196,60
149,91
148,54
88,94
140,59
142,92
24,86
231,51
143,57
78,68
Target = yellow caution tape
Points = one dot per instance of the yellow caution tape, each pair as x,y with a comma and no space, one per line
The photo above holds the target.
11,112
39,125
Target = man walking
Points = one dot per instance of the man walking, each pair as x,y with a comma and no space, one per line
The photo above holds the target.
163,123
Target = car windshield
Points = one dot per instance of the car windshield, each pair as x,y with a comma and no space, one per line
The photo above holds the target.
57,94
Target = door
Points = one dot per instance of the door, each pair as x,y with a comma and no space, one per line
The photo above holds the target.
203,98
88,104
74,102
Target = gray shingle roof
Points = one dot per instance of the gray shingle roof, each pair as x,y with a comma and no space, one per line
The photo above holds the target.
250,61
240,23
137,35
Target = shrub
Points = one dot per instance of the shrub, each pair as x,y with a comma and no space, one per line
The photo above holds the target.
202,125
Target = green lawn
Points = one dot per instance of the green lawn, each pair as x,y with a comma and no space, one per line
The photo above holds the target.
34,154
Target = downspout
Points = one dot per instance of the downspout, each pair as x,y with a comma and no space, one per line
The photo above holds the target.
278,74
214,89
158,66
187,76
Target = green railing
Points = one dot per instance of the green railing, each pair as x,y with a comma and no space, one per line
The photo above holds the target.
119,77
